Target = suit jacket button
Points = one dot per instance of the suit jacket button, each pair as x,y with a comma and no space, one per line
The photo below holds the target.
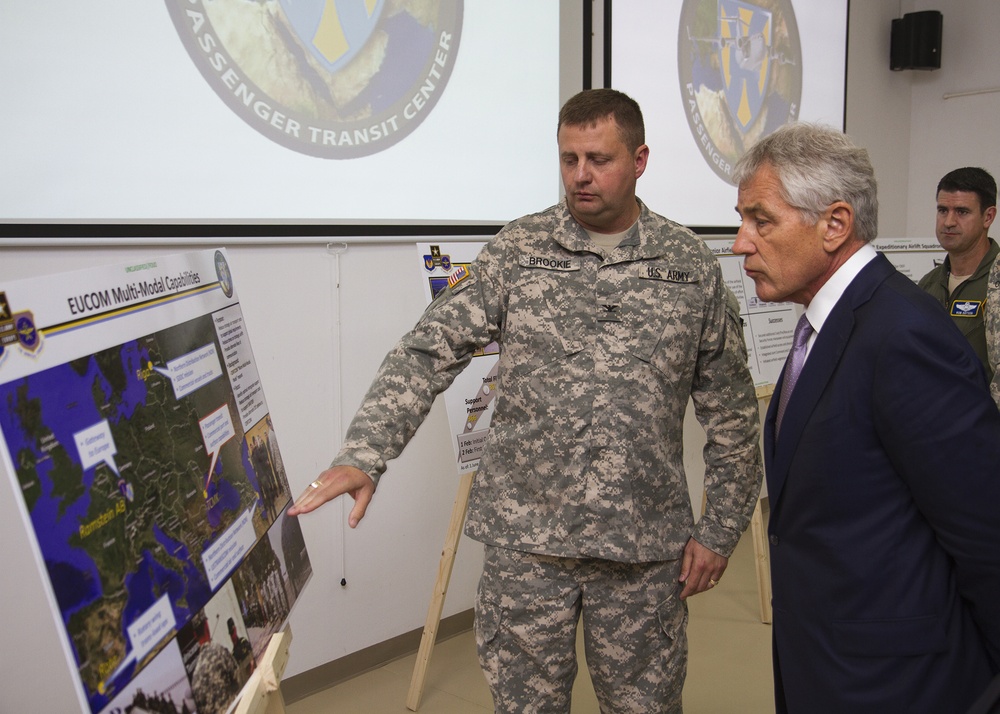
773,539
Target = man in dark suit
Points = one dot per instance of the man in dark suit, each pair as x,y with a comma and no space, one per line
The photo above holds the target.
882,460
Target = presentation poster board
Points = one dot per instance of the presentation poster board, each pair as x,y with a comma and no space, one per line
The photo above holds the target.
913,257
134,427
767,326
472,396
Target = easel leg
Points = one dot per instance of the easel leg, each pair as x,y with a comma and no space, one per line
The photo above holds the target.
440,590
262,694
758,526
761,562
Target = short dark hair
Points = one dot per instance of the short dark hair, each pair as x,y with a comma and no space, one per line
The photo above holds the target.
592,105
974,180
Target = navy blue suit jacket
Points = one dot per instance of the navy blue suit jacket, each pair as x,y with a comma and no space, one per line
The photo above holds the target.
884,491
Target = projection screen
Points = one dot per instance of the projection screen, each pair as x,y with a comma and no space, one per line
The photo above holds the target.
713,76
274,111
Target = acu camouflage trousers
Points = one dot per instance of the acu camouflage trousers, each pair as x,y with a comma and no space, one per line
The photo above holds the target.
634,627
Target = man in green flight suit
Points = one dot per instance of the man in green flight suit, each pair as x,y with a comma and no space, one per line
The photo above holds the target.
966,206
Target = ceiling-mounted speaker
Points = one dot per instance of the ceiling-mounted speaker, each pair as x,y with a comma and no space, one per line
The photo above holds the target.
916,41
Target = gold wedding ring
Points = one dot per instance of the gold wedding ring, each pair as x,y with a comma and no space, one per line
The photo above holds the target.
712,583
315,484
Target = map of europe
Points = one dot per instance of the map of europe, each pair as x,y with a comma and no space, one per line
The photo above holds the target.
126,490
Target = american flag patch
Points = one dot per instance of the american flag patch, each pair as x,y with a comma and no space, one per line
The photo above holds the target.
460,274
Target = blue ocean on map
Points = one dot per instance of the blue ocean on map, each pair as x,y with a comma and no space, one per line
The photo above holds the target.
41,417
188,589
66,402
134,394
228,498
67,406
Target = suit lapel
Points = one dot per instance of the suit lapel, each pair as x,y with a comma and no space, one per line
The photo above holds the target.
819,368
770,418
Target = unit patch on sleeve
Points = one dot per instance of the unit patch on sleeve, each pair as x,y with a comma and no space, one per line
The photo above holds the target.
460,274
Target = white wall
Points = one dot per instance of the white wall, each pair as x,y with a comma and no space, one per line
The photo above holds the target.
390,561
913,134
878,108
946,134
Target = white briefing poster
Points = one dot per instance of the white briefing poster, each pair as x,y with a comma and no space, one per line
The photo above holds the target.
768,327
136,435
913,257
471,398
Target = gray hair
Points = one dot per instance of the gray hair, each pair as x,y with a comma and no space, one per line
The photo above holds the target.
817,165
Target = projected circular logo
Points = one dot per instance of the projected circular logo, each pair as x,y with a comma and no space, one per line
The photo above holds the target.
740,67
337,79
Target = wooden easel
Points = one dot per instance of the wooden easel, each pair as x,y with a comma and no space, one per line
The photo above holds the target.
440,590
262,693
759,533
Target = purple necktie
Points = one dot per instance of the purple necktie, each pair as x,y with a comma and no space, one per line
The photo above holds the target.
793,367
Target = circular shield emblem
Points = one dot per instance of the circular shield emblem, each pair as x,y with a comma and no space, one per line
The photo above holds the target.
740,67
27,334
337,79
223,273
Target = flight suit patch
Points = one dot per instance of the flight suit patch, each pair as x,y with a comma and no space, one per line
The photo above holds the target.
966,308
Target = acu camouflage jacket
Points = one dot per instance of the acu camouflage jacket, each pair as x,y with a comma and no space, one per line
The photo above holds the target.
599,356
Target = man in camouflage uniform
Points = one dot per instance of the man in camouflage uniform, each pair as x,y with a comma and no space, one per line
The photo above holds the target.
993,328
609,319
